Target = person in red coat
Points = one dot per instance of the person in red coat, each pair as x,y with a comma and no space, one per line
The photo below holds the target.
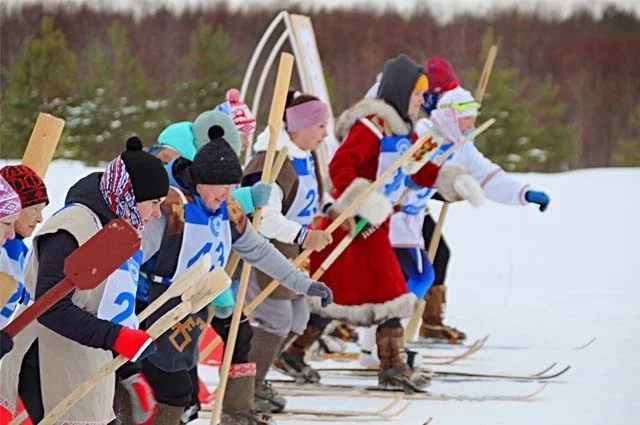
366,279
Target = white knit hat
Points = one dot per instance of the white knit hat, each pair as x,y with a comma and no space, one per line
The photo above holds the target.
461,101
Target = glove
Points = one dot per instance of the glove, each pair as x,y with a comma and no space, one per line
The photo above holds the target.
6,344
134,344
260,193
143,403
319,289
316,240
536,197
430,102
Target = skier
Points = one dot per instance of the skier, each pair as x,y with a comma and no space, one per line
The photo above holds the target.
294,202
366,279
177,140
455,110
9,212
33,197
199,217
81,332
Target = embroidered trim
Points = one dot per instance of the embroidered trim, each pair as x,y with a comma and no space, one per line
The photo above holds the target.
242,370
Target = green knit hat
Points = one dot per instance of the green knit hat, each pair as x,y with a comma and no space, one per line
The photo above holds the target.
208,119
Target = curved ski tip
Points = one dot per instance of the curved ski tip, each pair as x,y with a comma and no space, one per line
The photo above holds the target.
591,341
428,421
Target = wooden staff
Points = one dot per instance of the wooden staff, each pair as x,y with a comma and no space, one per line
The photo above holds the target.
412,326
42,143
192,302
278,101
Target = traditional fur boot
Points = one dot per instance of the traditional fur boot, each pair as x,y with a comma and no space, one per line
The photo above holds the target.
291,361
168,415
394,370
237,406
265,347
432,326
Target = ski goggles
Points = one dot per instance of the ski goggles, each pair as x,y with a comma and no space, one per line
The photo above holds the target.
461,106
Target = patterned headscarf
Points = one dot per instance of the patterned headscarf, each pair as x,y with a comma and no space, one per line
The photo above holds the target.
117,191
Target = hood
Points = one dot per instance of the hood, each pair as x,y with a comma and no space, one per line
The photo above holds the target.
180,175
86,191
399,77
367,107
262,143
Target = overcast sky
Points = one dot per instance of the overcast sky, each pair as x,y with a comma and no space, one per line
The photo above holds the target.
444,8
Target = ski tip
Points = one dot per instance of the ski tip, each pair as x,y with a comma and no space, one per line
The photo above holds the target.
428,421
588,343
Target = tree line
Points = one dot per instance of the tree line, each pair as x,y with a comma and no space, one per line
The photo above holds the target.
565,92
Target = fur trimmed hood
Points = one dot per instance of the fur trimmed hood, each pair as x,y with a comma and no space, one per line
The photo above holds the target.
367,107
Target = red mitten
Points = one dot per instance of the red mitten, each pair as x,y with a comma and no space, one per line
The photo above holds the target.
5,415
134,344
243,118
143,403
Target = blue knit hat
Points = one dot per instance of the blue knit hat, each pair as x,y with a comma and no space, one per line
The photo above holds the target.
179,136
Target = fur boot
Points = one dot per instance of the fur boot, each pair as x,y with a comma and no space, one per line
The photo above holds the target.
291,361
394,370
432,319
265,347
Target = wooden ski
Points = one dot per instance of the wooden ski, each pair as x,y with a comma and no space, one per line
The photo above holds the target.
290,388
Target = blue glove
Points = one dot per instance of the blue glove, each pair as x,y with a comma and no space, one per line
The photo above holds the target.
260,193
430,102
536,197
252,197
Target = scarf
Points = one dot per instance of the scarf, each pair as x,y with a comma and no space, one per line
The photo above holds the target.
117,191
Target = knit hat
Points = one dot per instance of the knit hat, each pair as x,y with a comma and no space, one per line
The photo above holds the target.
179,136
9,200
149,179
26,183
208,119
216,162
441,75
243,118
461,101
133,176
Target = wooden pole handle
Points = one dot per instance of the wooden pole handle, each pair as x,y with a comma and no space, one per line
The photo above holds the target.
283,79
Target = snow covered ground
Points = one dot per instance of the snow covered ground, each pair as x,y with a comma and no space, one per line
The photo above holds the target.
540,284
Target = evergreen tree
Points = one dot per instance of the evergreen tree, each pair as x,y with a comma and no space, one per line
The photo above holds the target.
210,72
41,80
628,154
553,138
508,141
116,102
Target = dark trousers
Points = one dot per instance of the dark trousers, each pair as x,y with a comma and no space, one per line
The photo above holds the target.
181,388
29,388
441,262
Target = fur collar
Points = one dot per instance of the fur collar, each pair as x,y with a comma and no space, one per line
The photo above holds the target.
368,107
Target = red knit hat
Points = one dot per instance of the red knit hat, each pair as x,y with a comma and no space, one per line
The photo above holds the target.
27,184
441,75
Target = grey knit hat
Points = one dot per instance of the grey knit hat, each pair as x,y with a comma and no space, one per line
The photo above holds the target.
216,162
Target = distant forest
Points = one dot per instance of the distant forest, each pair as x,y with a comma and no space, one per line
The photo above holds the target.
593,63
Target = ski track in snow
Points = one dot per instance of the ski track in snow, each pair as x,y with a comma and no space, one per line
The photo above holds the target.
544,281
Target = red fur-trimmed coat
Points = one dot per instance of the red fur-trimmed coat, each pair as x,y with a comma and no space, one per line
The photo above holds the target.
367,275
